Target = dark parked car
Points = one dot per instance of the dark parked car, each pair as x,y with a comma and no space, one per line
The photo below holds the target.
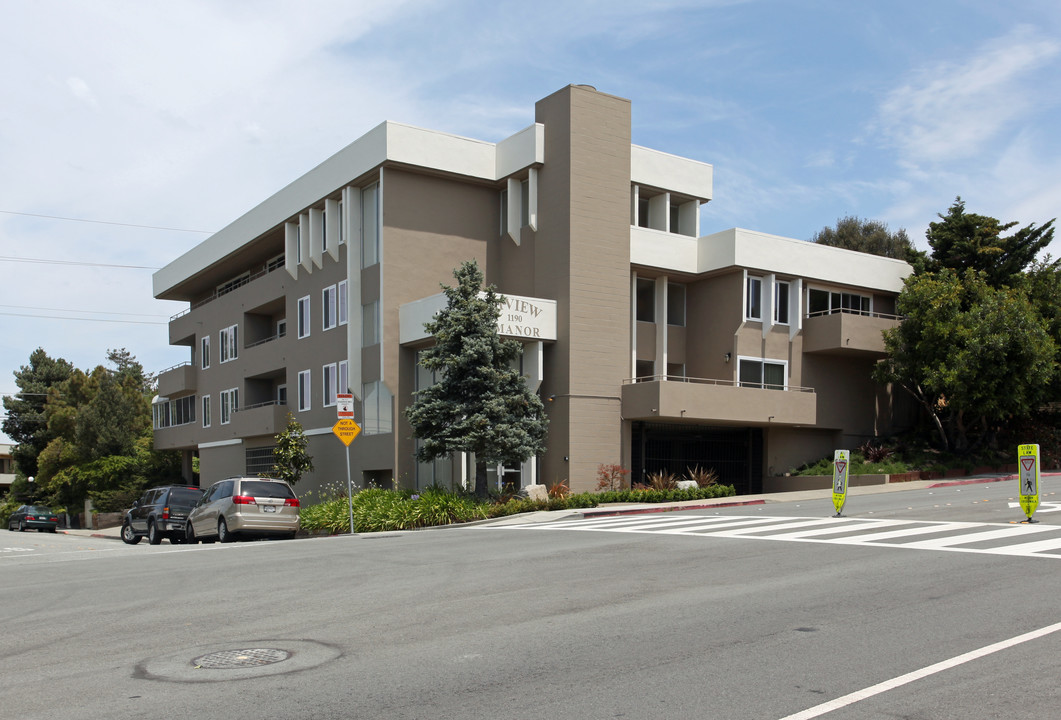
33,517
160,513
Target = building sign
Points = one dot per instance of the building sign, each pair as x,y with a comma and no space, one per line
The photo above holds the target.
527,318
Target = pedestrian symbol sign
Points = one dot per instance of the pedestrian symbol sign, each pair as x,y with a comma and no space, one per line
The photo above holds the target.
1028,474
346,430
841,462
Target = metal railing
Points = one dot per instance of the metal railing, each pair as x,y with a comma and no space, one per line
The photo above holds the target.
852,311
716,381
227,288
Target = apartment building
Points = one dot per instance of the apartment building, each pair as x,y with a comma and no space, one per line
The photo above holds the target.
652,346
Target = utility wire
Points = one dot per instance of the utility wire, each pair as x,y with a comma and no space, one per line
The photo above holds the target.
60,317
91,312
44,261
106,222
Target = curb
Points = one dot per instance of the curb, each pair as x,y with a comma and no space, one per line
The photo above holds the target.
667,508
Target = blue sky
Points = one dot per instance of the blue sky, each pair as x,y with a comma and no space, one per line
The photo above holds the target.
185,115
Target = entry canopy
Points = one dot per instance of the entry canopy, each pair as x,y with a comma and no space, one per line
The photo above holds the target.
525,318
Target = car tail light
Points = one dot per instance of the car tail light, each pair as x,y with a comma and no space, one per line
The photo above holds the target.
291,502
165,513
243,500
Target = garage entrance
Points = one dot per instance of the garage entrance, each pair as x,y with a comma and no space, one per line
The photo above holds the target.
734,453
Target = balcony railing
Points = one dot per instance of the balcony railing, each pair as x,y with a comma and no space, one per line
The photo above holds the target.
229,287
715,401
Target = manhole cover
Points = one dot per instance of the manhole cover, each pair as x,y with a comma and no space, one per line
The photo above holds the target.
233,659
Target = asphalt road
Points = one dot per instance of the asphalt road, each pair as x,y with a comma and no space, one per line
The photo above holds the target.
701,614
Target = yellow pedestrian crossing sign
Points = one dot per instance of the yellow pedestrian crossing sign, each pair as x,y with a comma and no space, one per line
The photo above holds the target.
841,463
346,430
1028,474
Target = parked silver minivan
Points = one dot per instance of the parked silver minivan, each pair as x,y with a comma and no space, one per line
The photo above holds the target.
244,506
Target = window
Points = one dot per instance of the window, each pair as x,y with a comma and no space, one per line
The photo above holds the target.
825,302
504,211
645,369
753,305
675,371
229,404
642,211
204,352
370,225
370,323
781,302
675,217
168,413
324,230
343,311
206,411
340,223
676,304
281,328
298,243
344,377
762,373
646,300
377,409
330,376
260,461
304,388
328,298
229,347
524,203
281,394
303,317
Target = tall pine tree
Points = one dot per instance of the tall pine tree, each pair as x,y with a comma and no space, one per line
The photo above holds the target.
481,404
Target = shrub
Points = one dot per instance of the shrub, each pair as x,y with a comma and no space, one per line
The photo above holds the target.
611,477
559,490
875,453
702,478
663,480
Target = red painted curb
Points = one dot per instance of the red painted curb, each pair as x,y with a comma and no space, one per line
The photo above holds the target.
985,480
669,508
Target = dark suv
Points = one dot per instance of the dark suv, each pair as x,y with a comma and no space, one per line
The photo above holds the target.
160,513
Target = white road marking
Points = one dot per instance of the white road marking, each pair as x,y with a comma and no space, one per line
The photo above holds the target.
859,695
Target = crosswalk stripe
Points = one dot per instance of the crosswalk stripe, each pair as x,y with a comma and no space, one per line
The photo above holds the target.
1012,539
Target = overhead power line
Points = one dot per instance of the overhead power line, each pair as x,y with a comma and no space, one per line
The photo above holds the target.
79,319
106,222
90,312
47,261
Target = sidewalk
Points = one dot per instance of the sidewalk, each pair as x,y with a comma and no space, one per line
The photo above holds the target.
612,509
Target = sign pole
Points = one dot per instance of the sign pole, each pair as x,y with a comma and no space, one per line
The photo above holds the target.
841,463
349,489
346,430
1028,473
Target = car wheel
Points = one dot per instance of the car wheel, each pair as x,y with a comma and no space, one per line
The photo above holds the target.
52,530
128,536
189,534
21,526
223,535
152,533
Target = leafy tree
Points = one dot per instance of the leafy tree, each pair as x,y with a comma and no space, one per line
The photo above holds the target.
973,355
481,404
962,240
869,236
291,461
26,423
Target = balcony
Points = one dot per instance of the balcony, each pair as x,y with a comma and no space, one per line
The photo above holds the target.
847,332
268,418
177,380
716,401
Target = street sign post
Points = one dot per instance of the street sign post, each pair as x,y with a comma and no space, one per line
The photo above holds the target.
1028,474
346,430
841,462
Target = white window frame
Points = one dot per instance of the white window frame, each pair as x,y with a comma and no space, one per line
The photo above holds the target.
229,342
304,317
204,352
343,384
749,294
343,309
370,226
329,318
206,411
330,383
370,324
229,404
305,388
761,361
782,289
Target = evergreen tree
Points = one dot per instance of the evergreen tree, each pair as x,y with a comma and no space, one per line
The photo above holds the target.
481,404
291,461
962,240
26,423
869,236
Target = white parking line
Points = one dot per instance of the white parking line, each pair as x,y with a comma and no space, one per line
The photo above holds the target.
859,695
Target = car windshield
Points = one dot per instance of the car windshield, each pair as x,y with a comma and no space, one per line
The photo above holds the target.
257,488
184,497
39,510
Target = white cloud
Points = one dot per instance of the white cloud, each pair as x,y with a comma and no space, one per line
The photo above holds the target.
951,110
